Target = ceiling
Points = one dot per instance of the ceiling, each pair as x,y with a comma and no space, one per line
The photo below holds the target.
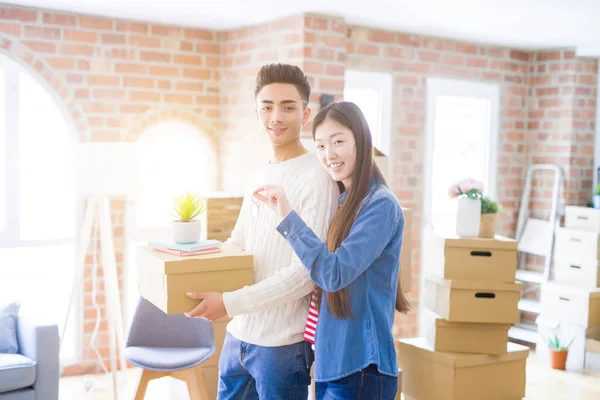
524,24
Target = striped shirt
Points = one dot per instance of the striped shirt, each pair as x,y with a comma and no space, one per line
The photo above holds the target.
311,321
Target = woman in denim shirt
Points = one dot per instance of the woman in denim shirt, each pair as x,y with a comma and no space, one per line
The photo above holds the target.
356,271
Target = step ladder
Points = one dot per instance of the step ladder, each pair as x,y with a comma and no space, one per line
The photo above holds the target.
535,237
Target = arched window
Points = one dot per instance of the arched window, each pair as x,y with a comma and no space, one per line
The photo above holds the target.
174,157
38,208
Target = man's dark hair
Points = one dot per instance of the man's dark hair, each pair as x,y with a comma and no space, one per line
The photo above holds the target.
283,73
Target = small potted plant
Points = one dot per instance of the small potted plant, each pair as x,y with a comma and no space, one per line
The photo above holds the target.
489,210
597,197
558,352
468,216
188,206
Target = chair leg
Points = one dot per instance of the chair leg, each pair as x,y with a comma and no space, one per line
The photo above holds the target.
194,380
145,377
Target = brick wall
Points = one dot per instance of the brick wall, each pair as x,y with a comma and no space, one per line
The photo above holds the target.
562,105
116,78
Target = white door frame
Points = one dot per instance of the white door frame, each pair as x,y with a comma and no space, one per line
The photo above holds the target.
452,87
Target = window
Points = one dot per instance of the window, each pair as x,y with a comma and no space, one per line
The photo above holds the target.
174,157
372,92
461,142
461,139
38,207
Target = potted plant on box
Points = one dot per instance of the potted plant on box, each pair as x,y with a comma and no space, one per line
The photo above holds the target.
558,352
187,229
489,210
468,216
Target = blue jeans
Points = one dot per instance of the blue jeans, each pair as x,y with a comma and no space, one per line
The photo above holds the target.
366,384
250,372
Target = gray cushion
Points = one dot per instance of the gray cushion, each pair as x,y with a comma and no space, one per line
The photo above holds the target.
16,372
166,358
21,394
8,328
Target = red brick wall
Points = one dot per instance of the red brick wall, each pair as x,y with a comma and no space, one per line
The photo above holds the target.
561,124
116,78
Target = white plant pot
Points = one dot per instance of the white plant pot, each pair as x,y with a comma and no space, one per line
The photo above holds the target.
468,217
186,232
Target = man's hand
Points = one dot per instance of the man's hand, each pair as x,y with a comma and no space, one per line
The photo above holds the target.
275,198
210,308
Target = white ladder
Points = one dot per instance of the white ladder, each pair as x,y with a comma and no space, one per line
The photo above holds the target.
535,237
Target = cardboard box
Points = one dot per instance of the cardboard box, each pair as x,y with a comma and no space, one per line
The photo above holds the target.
576,246
220,330
547,327
383,163
582,218
585,275
164,279
211,381
429,375
572,305
473,301
222,212
475,259
406,251
399,392
465,337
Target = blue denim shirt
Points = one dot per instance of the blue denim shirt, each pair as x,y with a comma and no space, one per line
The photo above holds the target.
367,263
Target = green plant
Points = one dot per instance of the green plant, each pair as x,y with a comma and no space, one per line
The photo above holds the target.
469,187
598,190
188,206
488,206
554,343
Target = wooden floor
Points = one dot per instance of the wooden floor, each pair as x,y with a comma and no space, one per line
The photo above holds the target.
543,383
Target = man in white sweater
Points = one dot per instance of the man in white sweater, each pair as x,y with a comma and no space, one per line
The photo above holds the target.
264,355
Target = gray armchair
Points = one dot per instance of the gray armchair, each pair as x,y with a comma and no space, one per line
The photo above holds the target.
32,373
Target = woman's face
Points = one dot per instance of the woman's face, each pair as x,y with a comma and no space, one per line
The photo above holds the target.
336,149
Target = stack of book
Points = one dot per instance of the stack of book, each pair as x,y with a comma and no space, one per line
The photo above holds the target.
188,249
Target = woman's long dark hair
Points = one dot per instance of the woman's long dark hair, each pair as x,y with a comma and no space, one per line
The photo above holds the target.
349,115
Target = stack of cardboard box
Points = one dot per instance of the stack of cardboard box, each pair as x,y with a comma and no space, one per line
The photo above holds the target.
570,305
472,296
221,214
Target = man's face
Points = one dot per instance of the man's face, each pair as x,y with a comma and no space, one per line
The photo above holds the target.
282,112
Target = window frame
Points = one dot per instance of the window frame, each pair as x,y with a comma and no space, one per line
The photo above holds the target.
381,82
11,236
454,87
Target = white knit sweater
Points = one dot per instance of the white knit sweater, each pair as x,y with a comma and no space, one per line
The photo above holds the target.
273,311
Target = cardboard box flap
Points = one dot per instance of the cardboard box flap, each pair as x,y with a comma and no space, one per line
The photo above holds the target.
441,323
572,291
498,242
477,285
417,347
230,257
